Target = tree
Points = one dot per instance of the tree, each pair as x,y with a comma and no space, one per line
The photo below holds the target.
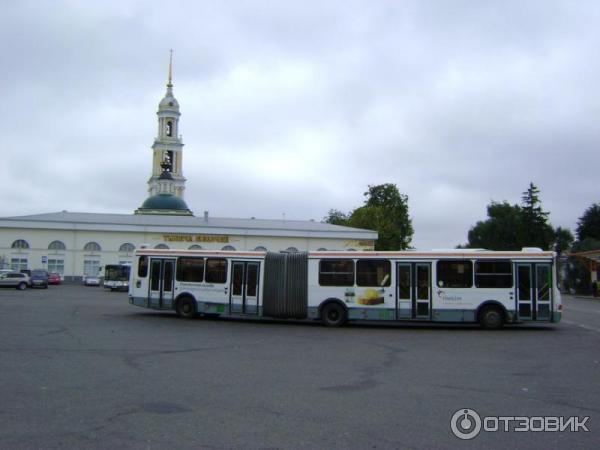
588,238
579,274
385,210
498,231
535,231
588,225
336,217
563,240
512,227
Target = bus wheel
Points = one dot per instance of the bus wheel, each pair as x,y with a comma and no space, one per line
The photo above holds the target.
186,308
491,318
333,315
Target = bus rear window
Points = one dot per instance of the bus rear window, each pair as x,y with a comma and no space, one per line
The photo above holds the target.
336,272
190,269
143,267
455,274
216,270
373,272
493,274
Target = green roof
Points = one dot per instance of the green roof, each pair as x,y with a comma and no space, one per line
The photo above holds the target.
164,204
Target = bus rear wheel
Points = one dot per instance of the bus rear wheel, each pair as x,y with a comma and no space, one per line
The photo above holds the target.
333,315
491,318
186,308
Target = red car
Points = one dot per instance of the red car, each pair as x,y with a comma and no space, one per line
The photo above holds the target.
53,278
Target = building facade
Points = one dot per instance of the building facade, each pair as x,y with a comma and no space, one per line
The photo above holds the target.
79,244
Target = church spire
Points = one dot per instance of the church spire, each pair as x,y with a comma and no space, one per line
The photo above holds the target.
167,145
170,83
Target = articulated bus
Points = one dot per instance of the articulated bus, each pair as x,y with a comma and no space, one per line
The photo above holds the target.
469,286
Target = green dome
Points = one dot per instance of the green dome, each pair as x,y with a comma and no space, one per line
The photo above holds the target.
164,204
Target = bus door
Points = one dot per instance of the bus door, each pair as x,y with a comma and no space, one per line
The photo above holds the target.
413,290
244,287
534,291
162,273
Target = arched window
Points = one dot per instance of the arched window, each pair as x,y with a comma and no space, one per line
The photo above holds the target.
169,128
161,246
291,249
195,247
127,248
228,248
260,248
56,245
92,247
21,244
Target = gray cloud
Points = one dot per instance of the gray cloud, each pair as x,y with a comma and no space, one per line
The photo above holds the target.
296,107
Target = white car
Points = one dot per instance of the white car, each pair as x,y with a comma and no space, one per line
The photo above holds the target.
14,279
91,281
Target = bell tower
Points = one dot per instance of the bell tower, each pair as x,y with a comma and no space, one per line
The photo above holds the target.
168,144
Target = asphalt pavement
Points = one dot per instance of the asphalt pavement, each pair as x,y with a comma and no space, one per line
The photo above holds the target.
81,368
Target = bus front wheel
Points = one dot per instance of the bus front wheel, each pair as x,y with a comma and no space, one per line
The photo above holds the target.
491,318
186,308
333,315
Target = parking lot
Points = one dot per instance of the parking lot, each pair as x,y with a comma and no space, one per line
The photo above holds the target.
81,368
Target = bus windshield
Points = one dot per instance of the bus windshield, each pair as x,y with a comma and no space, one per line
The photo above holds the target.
115,272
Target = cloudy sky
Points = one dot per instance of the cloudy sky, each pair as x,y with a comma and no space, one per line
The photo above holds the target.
296,107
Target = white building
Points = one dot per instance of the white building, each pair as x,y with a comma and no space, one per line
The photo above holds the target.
78,244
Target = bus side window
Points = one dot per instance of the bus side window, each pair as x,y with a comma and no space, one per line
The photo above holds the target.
143,267
493,274
373,272
336,272
455,273
190,269
216,270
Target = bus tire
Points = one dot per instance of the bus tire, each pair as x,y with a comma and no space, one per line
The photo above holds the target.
186,308
491,318
334,315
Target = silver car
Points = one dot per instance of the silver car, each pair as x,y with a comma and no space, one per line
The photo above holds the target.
90,280
15,279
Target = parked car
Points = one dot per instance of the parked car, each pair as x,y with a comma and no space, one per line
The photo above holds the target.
14,279
91,281
54,278
39,278
26,272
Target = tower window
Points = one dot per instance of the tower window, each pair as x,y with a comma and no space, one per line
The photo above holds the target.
169,128
171,157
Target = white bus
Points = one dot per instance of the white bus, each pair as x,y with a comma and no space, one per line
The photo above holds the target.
116,277
470,286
